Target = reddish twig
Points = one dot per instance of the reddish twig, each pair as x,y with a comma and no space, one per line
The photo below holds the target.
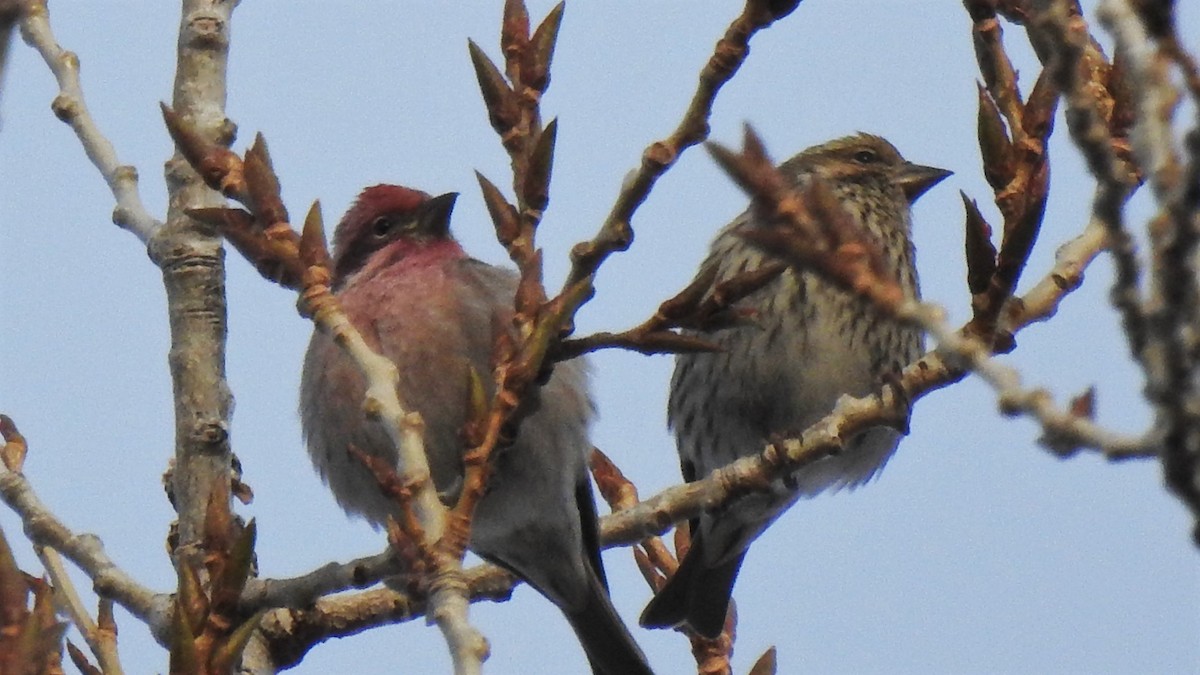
657,564
1013,136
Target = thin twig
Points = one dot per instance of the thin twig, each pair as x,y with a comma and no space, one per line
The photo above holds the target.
616,233
656,563
102,643
87,552
701,306
70,107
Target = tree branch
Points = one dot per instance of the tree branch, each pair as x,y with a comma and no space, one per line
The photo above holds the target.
192,264
290,633
87,552
70,107
1170,356
101,640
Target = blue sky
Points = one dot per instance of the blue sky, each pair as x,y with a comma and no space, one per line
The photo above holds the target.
974,552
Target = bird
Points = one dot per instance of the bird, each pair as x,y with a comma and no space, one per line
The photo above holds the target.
809,342
417,298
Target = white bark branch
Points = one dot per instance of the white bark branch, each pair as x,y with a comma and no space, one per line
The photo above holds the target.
71,107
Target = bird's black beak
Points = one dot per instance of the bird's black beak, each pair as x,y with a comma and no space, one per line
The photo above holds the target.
915,179
435,214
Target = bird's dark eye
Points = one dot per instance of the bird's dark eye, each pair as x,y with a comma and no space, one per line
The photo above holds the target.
866,157
381,226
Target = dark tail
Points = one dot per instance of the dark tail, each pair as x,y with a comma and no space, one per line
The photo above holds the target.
610,648
695,594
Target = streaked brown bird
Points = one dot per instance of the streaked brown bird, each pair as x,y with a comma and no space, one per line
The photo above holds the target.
811,342
418,299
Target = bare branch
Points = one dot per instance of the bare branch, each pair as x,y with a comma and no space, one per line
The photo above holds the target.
1166,344
616,233
85,551
1074,59
656,564
1013,131
70,107
101,640
192,262
694,307
328,579
290,633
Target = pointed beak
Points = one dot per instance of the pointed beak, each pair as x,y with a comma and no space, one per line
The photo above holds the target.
435,214
915,179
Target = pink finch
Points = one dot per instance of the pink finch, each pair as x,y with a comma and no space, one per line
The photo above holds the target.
418,299
811,343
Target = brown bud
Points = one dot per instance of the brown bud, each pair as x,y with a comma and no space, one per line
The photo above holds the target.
497,95
541,50
1040,106
1084,405
514,37
504,215
314,251
981,253
541,163
994,144
263,185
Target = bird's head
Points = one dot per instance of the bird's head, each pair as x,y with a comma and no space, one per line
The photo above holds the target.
390,217
864,159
